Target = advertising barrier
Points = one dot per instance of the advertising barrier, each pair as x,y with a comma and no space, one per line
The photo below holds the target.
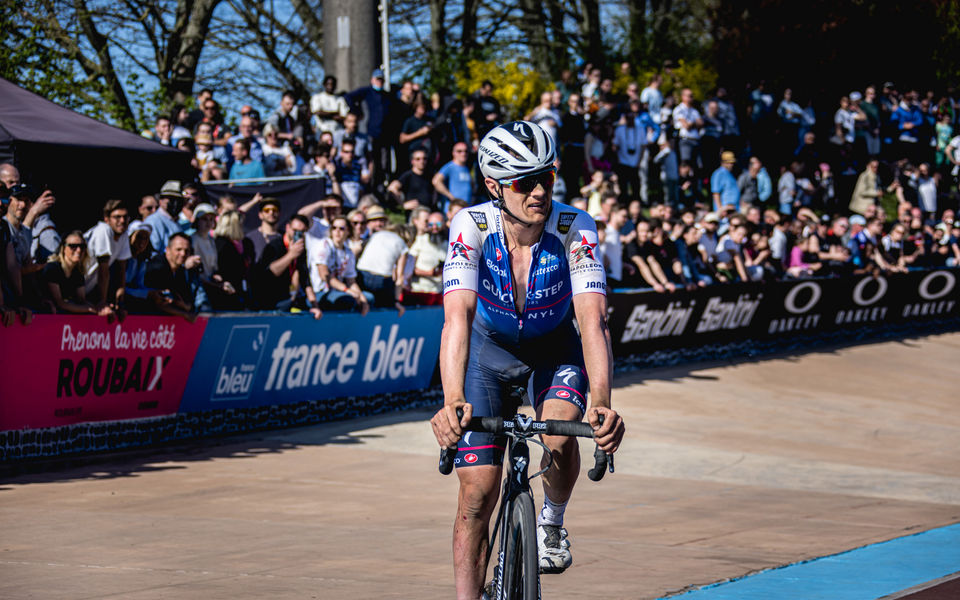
248,361
61,370
647,321
78,384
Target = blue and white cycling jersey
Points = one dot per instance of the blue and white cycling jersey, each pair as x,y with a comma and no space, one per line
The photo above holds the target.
563,264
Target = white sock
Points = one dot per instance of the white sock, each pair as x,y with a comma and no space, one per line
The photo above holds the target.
551,514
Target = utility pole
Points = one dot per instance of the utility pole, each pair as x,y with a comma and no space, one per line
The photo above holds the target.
352,41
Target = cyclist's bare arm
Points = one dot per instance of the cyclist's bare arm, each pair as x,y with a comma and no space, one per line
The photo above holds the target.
591,311
459,307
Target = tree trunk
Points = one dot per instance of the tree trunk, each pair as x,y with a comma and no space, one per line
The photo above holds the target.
531,26
104,69
590,30
185,46
637,42
468,35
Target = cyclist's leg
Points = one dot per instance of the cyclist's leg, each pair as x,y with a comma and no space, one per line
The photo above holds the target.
478,461
560,394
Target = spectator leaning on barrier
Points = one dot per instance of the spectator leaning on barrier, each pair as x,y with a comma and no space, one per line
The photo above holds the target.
382,263
136,292
162,222
428,252
64,276
730,259
692,266
109,250
640,254
235,258
333,271
281,278
170,275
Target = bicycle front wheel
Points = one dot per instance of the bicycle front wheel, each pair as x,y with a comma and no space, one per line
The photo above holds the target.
520,568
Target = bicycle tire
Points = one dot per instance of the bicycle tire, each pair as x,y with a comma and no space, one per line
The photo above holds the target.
520,568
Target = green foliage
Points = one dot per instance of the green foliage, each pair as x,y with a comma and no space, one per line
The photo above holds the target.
696,75
34,65
517,88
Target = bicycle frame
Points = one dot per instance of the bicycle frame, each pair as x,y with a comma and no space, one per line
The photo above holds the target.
516,482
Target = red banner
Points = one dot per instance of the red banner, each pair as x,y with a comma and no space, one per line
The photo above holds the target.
61,370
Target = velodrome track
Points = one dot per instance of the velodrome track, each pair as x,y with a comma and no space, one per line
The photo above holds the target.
727,470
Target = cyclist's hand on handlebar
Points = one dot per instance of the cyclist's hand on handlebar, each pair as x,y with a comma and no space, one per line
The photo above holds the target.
447,427
610,434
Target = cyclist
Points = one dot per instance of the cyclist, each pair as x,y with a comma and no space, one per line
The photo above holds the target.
520,240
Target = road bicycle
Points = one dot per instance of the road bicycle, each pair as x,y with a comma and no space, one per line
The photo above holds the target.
517,575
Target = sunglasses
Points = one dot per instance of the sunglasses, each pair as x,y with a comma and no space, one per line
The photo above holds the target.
435,224
339,227
76,246
360,223
527,183
271,209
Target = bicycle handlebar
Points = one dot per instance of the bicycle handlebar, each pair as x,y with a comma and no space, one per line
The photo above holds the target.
498,426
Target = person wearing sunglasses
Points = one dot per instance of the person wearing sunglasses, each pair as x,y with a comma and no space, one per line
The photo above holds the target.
64,278
494,338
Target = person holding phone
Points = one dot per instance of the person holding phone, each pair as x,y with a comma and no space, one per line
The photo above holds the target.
281,278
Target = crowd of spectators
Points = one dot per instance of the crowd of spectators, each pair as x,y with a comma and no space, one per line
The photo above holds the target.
687,192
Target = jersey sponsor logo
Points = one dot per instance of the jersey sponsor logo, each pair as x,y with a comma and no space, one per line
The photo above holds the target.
546,292
494,267
545,270
562,394
499,254
595,285
480,219
450,283
584,251
471,458
460,250
565,221
504,296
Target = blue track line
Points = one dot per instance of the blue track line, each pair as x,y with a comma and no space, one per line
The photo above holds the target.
865,573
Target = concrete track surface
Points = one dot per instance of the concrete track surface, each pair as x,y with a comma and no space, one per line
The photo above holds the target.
727,469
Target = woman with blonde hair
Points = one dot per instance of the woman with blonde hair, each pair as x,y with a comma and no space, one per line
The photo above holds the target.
234,259
358,234
64,276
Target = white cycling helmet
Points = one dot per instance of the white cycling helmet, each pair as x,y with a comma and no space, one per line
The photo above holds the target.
516,149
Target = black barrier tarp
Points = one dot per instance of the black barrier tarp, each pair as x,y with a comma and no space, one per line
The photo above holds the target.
293,194
83,161
647,321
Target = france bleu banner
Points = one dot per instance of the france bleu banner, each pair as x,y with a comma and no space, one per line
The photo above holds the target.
247,361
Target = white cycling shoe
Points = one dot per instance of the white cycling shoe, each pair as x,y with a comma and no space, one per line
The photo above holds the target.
554,549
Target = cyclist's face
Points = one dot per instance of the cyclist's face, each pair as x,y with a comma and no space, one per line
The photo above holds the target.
532,207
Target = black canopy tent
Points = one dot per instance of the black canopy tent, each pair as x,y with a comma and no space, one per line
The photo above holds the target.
83,161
